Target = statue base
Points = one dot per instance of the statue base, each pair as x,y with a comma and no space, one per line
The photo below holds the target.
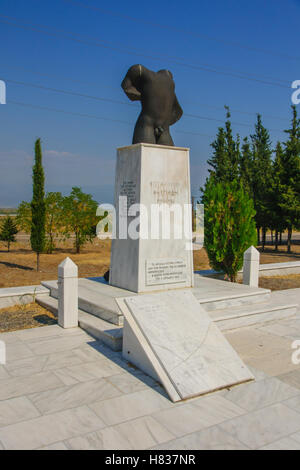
153,252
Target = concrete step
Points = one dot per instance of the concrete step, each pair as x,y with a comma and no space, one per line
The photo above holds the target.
226,321
100,329
111,335
277,307
20,295
48,302
96,297
241,316
215,294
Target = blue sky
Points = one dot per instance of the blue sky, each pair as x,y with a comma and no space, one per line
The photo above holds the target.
257,39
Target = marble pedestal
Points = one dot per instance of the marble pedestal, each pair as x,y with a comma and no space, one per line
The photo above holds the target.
156,254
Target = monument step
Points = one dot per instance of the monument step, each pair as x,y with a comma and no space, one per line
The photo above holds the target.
226,319
48,302
246,315
97,297
215,294
110,334
100,329
10,296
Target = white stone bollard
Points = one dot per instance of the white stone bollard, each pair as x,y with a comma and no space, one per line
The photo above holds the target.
67,294
251,267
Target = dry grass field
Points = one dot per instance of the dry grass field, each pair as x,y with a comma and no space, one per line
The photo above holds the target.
20,317
17,268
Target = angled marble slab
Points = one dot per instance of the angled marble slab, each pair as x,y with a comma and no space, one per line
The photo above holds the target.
171,337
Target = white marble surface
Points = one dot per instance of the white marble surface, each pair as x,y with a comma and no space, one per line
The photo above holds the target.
15,410
286,264
49,429
20,295
263,426
139,433
212,438
141,416
152,174
96,298
189,354
251,267
275,269
265,392
23,290
217,294
67,294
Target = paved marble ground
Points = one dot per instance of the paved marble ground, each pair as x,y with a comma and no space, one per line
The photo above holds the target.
61,389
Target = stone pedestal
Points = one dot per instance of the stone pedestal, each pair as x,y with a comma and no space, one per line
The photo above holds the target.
154,252
2,353
251,267
67,294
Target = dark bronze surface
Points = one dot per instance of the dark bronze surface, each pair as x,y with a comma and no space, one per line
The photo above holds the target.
160,107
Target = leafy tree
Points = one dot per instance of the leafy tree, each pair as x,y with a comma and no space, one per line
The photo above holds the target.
23,217
8,231
229,225
38,207
54,218
79,212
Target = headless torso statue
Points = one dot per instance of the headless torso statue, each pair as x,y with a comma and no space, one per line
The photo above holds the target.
160,108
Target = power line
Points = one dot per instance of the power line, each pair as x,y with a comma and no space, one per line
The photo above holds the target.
181,30
67,92
45,108
222,120
53,75
174,60
119,120
195,133
28,105
84,82
248,113
98,98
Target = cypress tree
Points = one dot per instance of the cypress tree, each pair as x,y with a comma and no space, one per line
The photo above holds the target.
38,208
225,159
290,177
262,176
232,147
246,166
278,216
218,162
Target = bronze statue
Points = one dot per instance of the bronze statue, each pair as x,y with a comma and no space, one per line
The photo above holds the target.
160,108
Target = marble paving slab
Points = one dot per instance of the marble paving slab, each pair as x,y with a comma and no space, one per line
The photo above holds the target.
171,337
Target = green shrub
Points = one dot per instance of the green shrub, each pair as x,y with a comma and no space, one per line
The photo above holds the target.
229,227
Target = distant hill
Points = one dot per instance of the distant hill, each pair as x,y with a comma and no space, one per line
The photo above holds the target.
8,211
